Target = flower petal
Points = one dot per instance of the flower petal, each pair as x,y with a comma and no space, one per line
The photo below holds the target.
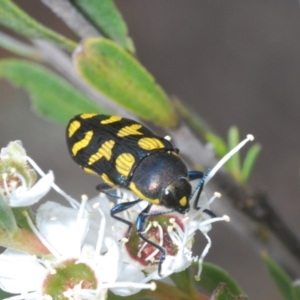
20,272
92,235
22,197
110,263
129,273
59,226
14,149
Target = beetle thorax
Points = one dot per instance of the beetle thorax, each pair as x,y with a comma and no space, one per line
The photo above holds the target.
162,172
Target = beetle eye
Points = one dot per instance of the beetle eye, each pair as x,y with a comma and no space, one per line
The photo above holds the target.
168,199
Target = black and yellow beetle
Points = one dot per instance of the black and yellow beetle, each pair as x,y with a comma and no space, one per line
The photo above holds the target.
125,153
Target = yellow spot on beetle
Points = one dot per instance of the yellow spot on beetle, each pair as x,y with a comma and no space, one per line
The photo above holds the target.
150,143
124,163
133,187
87,170
111,119
103,151
130,130
106,179
82,143
73,128
87,116
183,201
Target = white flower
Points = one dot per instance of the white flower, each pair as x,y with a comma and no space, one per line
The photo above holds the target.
20,272
26,196
71,234
172,231
63,230
18,179
86,256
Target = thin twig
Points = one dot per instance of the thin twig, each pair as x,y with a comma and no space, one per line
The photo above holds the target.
18,47
257,206
72,17
248,230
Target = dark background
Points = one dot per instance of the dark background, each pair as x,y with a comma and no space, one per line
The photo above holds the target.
236,63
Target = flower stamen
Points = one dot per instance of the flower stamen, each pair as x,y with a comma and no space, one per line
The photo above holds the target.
131,285
139,254
160,231
178,228
217,219
100,234
148,227
207,247
195,213
25,296
81,210
175,238
48,265
214,170
4,177
40,237
203,254
74,203
22,179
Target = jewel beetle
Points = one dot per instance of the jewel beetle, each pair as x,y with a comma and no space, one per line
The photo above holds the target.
127,154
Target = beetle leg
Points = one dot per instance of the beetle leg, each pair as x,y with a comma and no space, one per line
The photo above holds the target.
210,213
199,189
121,207
195,175
103,186
195,206
140,224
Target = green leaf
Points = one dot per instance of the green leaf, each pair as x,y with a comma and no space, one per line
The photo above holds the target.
249,161
212,275
20,217
16,19
234,163
280,278
184,282
218,143
105,16
119,76
223,293
51,95
296,290
163,291
4,295
7,219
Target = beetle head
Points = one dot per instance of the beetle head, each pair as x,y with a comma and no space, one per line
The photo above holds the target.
176,195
